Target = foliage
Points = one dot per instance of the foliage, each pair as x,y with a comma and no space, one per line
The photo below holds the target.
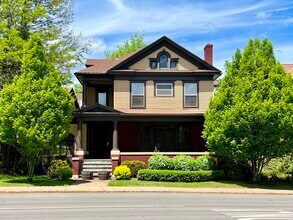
183,162
279,169
35,110
77,88
134,166
65,172
179,175
136,43
249,120
55,165
21,19
160,162
205,163
122,173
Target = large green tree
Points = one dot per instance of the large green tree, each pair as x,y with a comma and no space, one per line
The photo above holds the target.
20,19
135,43
35,110
250,118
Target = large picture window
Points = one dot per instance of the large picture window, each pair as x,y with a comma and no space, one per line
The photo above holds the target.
190,95
137,95
164,89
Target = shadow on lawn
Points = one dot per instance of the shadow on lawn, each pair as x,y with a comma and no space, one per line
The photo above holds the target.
261,185
37,181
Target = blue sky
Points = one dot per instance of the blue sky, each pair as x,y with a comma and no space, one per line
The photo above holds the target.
191,23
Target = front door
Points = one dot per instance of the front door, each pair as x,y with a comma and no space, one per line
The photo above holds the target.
100,140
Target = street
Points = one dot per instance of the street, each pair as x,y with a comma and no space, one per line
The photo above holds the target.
144,206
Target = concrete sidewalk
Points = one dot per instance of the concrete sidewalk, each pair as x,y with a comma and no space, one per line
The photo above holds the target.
102,186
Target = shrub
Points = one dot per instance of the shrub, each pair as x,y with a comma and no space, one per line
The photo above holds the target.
134,166
64,172
279,169
180,176
55,165
160,162
122,173
183,162
205,163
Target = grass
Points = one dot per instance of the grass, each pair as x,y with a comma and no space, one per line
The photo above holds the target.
208,184
16,180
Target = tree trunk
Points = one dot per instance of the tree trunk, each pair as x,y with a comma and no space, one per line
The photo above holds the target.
30,170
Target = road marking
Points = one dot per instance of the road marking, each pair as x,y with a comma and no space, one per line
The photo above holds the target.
89,207
256,214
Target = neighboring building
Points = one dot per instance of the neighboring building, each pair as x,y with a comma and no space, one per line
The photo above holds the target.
150,100
288,68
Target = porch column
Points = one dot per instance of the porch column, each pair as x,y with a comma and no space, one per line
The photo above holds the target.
115,152
84,94
78,152
115,136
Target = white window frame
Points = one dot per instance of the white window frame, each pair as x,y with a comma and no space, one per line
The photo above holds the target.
191,94
142,94
164,84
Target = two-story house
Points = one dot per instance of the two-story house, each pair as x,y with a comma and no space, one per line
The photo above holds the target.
150,100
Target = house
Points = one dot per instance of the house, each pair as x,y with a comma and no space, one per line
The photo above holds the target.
288,68
150,100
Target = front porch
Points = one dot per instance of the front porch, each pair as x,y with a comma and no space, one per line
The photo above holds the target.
104,133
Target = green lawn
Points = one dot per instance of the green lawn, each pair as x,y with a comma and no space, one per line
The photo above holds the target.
209,184
15,180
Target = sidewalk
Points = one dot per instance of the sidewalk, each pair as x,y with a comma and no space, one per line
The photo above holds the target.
102,186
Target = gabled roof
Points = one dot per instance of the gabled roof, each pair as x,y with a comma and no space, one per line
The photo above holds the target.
104,66
97,108
165,41
101,66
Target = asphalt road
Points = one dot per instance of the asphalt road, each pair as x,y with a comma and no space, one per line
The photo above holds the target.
144,206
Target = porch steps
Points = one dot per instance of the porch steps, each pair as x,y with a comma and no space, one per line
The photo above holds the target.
96,165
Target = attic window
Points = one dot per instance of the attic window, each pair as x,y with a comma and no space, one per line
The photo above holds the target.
163,61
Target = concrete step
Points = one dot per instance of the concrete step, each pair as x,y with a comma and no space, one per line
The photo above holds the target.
97,160
97,163
93,166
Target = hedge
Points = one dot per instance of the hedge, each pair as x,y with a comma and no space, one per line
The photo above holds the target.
134,166
180,176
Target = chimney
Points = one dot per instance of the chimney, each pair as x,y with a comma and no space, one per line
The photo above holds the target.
208,53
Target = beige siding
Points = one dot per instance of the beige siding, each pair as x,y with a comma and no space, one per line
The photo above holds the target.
121,94
182,63
91,97
73,129
154,102
206,91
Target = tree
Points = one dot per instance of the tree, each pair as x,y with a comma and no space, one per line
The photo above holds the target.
136,43
249,120
20,19
35,110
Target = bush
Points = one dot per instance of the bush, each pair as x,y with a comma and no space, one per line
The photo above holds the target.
122,173
55,165
134,166
279,169
180,176
205,163
185,163
65,172
160,162
235,173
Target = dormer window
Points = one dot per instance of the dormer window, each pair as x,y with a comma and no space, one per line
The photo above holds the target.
163,61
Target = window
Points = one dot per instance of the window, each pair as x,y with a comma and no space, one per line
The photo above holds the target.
137,95
163,61
164,89
173,64
190,95
154,64
102,98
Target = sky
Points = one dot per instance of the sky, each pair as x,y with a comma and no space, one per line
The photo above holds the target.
227,25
